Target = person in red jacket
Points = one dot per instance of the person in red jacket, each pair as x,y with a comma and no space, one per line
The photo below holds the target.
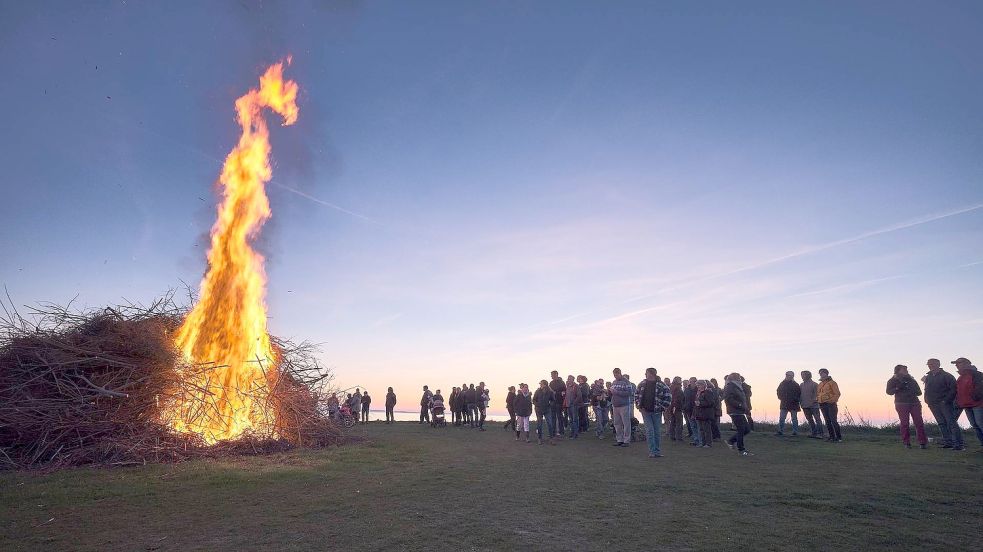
969,395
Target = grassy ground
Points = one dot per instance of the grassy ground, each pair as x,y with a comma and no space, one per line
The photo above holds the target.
415,488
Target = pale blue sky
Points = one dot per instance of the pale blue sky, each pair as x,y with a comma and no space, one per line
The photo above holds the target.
494,190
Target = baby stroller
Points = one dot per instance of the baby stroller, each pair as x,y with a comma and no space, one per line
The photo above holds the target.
437,414
346,417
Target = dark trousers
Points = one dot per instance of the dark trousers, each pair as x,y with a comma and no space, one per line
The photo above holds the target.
583,418
471,412
815,420
390,417
558,416
830,411
676,425
481,419
689,424
424,414
706,432
945,415
365,414
740,430
511,421
715,427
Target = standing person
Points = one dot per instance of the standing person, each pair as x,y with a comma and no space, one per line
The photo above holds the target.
789,394
809,401
484,397
940,396
703,407
906,392
523,410
366,402
390,404
462,400
828,395
718,410
969,395
509,405
607,387
747,396
667,413
471,405
355,402
633,390
425,405
559,400
572,405
620,393
584,403
542,400
452,403
599,401
653,398
689,398
676,410
736,403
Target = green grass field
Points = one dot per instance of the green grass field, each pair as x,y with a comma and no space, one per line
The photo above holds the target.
410,487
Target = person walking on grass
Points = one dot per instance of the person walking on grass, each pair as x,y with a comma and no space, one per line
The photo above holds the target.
828,394
969,395
789,394
653,398
599,402
718,411
906,392
940,396
736,403
543,400
676,410
809,401
510,406
523,410
366,402
559,401
572,405
390,405
703,411
620,395
425,405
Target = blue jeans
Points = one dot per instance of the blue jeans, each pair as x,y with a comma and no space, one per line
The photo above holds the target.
550,423
946,415
975,417
782,413
574,421
696,431
602,419
653,429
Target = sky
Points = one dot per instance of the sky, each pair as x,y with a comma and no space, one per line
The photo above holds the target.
491,191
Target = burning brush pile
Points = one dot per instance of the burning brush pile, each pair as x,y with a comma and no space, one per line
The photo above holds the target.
150,384
111,387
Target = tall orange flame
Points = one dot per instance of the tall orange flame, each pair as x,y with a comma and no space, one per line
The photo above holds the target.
228,324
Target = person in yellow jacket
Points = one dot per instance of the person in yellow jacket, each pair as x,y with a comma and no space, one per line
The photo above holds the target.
827,396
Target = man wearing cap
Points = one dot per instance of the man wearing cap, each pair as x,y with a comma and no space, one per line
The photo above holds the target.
940,396
969,395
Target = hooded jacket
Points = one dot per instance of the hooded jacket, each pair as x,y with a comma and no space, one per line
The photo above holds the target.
734,399
969,388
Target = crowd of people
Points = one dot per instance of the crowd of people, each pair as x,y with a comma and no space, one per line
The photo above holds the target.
691,409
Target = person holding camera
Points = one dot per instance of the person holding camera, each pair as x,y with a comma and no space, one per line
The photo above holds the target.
906,392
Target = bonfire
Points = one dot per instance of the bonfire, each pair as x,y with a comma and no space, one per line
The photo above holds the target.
133,384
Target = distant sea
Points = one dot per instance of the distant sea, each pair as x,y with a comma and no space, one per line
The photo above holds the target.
410,416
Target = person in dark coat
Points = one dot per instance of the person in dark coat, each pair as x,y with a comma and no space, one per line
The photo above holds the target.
676,410
425,405
940,396
906,392
788,402
736,402
366,403
523,410
689,396
718,410
703,406
747,396
390,405
559,398
543,400
509,399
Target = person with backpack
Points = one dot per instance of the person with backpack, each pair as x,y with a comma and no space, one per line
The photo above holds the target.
969,395
510,407
523,411
543,400
828,394
366,402
736,403
788,402
703,411
940,396
906,392
653,397
390,404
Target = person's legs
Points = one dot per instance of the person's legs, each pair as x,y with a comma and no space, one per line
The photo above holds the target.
782,414
481,419
795,422
677,425
939,410
951,413
904,411
558,414
706,432
833,414
975,417
689,425
653,429
825,409
574,421
916,418
697,440
740,429
715,428
619,423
